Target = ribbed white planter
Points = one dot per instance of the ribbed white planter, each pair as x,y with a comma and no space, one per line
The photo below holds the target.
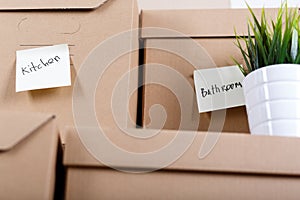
272,96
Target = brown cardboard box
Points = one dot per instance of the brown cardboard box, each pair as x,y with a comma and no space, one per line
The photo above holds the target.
212,45
28,149
238,167
83,25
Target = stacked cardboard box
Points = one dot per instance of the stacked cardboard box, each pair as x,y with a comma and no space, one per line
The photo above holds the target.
240,166
168,44
29,143
214,166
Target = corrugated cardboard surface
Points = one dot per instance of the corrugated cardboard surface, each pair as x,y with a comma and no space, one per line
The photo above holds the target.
83,30
233,153
28,160
109,184
238,167
200,22
217,54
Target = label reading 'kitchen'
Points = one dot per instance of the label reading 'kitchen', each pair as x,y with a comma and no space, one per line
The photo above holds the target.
219,88
44,67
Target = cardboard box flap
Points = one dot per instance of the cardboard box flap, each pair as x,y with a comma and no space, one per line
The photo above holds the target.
232,153
15,127
199,23
49,4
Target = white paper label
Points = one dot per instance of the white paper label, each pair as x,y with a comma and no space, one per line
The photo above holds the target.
44,67
219,88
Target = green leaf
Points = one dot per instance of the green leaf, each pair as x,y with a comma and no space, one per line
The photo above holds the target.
272,43
240,66
294,46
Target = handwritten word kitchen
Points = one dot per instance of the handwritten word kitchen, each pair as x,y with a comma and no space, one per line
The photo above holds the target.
33,67
214,89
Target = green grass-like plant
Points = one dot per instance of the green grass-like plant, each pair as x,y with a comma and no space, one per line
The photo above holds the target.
270,43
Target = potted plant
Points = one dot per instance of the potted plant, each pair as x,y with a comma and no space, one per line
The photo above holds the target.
272,70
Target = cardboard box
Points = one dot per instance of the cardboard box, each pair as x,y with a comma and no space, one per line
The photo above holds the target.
168,44
28,149
83,25
239,166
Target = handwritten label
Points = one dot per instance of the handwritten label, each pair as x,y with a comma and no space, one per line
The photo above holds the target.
44,67
219,88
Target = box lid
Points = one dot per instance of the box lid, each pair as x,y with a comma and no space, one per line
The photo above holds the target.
16,126
199,23
49,4
232,153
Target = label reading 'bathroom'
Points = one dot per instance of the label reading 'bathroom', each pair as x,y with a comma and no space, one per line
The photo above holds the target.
219,88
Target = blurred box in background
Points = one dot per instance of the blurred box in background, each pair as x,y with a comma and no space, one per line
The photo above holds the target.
214,4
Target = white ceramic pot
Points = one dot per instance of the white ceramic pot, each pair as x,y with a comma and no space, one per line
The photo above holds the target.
272,96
